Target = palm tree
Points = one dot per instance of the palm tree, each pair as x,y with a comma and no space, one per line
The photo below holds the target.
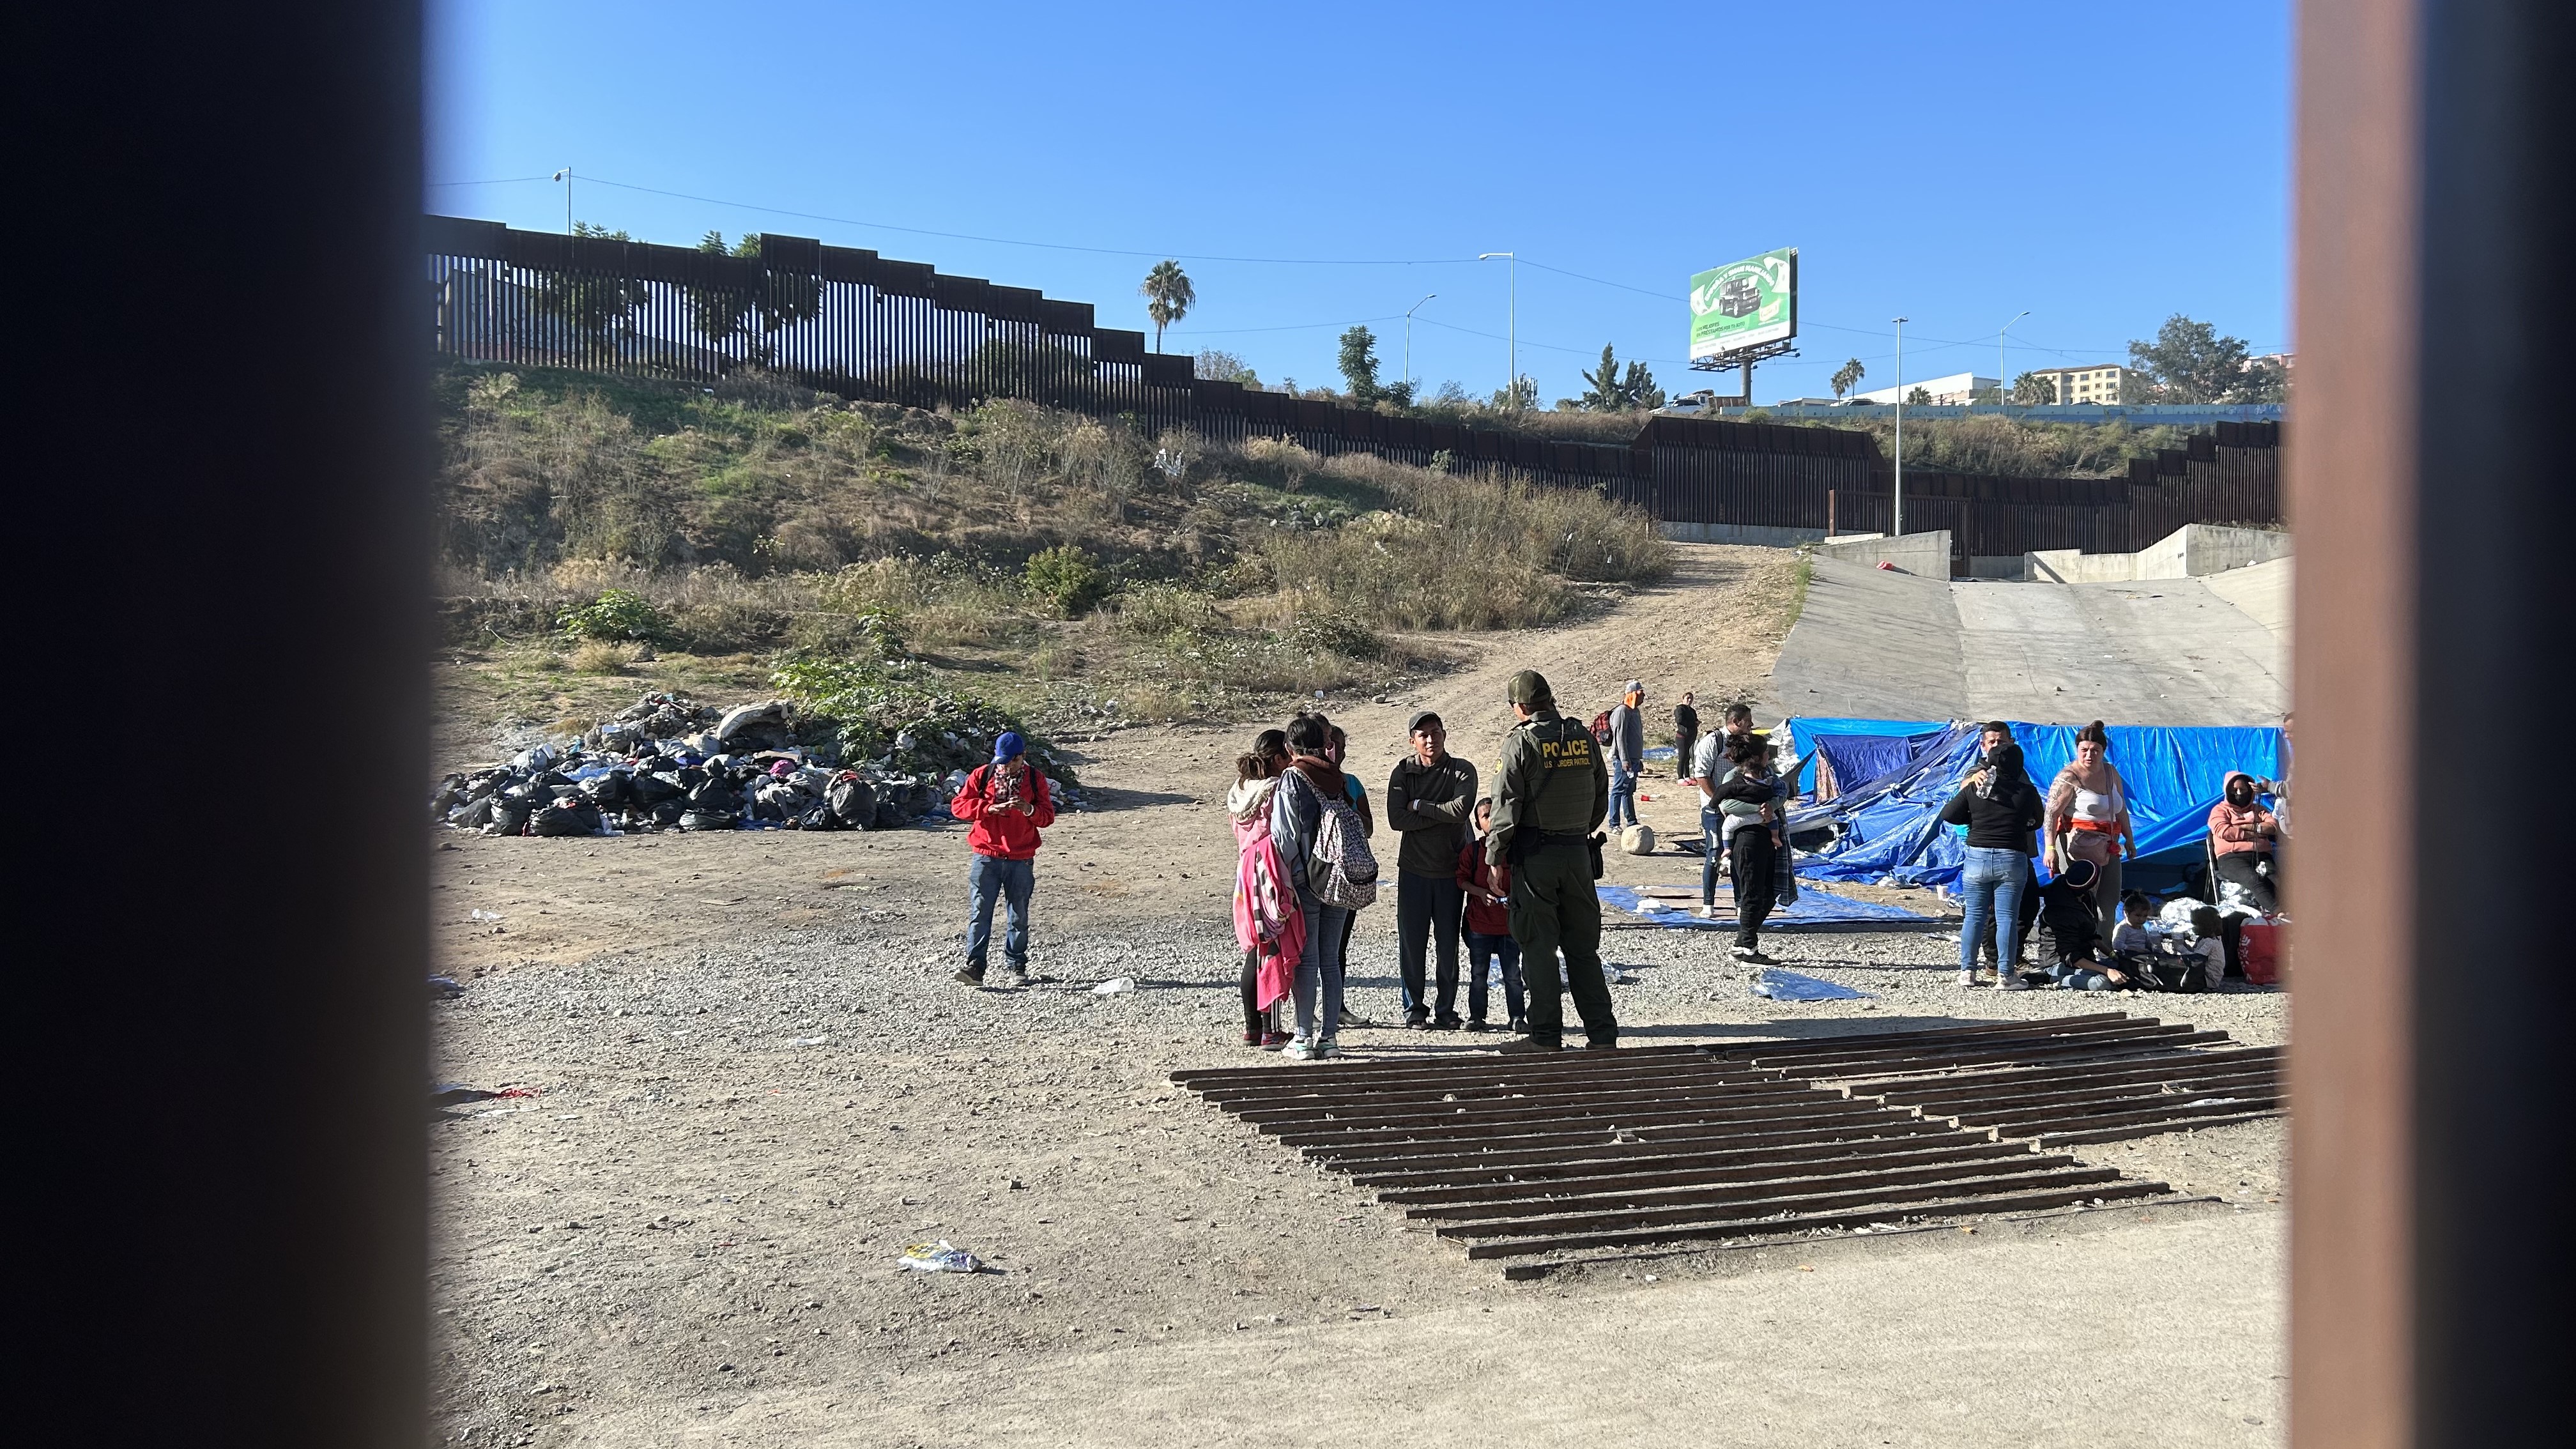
1848,376
1168,297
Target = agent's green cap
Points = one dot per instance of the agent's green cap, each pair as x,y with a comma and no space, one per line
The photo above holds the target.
1530,687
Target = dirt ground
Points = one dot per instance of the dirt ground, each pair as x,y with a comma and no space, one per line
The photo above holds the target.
754,1085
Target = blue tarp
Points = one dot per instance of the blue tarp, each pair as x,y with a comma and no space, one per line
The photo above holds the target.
1778,985
1890,828
1811,908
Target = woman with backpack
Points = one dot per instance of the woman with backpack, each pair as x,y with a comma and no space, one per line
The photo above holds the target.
1337,751
1325,855
1266,923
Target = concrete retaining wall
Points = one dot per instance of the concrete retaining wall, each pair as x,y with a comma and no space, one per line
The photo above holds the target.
1926,555
2191,551
1760,535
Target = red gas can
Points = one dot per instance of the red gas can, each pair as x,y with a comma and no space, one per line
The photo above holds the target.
2260,951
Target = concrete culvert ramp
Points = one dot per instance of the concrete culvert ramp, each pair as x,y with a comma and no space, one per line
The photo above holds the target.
1872,643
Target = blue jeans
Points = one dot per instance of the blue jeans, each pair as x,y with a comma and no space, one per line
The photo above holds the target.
1011,880
1710,823
1319,970
1481,950
1623,795
2079,978
1990,891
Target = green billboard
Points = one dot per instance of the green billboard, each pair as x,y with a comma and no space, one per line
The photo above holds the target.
1744,305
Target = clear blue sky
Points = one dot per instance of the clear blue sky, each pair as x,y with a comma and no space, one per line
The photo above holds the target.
2100,166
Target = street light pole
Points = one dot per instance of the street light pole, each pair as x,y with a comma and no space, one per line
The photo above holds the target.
1408,342
2003,376
1512,384
1896,524
565,176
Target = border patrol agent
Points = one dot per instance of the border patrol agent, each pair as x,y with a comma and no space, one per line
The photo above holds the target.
1554,794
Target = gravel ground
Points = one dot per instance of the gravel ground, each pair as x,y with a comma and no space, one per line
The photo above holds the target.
729,1149
755,1084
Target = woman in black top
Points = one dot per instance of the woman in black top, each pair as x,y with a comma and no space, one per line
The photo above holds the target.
2002,812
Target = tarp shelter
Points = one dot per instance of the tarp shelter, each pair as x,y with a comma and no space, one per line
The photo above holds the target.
1888,828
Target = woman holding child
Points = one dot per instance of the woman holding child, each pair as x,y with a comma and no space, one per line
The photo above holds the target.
2088,819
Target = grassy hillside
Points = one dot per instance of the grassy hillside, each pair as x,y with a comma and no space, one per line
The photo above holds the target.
601,535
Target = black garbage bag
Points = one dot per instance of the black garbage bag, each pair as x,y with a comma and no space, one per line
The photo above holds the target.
716,795
652,788
699,819
473,815
612,790
509,815
853,801
819,818
566,817
550,778
692,776
668,813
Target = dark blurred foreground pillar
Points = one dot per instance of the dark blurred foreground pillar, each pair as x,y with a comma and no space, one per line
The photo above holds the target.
2431,489
217,470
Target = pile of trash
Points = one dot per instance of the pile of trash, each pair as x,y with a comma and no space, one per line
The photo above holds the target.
671,763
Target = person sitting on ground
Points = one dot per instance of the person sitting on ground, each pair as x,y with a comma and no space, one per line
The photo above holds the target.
2133,936
1749,826
1007,803
1310,785
2241,836
2002,811
1247,806
2209,943
2071,918
1490,947
1627,744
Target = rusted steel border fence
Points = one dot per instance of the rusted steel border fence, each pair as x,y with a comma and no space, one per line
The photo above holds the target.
848,321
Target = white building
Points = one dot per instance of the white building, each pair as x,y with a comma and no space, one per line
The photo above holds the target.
1957,390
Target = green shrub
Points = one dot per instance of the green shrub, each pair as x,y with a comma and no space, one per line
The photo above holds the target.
1066,579
616,615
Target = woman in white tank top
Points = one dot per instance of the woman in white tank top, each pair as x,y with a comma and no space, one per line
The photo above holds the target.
2088,819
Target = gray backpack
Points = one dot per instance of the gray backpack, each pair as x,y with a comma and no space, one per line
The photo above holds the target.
1342,871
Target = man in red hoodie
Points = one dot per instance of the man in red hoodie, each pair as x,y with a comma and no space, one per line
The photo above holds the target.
1007,802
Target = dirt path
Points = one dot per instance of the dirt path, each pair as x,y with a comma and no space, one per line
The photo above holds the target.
755,1085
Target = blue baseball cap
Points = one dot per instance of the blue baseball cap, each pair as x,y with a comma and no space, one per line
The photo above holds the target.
1009,747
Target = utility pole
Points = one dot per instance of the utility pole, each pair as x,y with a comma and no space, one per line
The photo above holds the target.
1512,384
1408,342
1896,525
2003,377
565,176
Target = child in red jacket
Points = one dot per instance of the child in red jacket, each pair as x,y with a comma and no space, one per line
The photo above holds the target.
1488,885
1008,803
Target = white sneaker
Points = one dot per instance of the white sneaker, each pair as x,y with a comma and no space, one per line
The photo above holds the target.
1325,1049
1303,1049
1705,913
1741,953
1966,978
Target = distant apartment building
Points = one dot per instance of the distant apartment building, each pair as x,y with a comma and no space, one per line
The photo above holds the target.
1957,390
2086,384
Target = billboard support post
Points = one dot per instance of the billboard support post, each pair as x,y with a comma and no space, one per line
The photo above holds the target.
1896,524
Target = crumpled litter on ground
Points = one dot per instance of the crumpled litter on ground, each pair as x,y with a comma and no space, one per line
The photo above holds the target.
671,763
1778,985
940,1257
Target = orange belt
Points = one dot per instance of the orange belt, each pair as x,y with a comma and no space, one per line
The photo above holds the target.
2105,827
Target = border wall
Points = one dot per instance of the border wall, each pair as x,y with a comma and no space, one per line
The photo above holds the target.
847,321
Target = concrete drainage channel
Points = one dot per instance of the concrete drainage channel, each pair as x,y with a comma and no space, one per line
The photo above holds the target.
1521,1157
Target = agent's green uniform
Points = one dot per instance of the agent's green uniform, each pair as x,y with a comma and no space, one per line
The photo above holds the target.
1556,790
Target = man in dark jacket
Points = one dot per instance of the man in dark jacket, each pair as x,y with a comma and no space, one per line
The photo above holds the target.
1008,803
1554,793
1685,733
1428,800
